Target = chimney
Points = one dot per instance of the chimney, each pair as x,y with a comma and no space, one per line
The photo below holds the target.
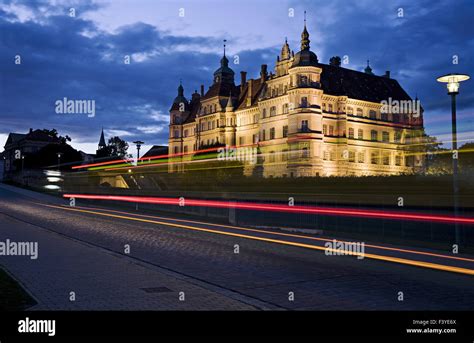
387,74
249,92
243,80
31,130
202,90
263,72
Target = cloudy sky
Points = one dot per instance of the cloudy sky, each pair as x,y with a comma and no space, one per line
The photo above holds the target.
82,56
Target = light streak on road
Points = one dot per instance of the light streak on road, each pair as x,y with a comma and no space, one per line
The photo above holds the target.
281,208
417,252
278,241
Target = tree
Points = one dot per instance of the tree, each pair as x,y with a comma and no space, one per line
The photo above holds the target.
54,134
116,147
438,159
466,158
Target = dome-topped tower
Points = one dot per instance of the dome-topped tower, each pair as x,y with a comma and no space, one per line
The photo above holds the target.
305,57
180,103
368,69
224,73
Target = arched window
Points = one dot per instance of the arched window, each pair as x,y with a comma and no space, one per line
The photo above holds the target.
372,114
350,110
360,112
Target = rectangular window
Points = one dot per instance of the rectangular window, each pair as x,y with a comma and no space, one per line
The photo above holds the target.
386,159
361,157
325,129
304,102
285,108
351,156
304,125
331,130
305,152
272,133
373,135
360,134
372,114
285,131
255,138
241,140
273,111
398,160
385,136
263,135
374,158
185,133
351,133
397,137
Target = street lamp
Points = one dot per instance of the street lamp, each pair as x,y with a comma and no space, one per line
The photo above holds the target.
59,158
452,82
139,145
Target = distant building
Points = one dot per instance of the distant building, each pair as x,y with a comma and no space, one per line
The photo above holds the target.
19,146
156,150
305,119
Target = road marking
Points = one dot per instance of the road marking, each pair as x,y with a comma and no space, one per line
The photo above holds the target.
302,245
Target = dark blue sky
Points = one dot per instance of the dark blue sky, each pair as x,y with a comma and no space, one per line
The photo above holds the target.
82,57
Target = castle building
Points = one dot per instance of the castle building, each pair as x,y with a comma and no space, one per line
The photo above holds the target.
305,119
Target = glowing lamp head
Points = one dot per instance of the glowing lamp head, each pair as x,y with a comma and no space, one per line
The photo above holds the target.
452,81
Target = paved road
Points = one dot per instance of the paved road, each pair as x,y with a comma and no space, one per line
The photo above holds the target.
82,249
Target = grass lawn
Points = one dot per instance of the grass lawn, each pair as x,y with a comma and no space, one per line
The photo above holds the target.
12,295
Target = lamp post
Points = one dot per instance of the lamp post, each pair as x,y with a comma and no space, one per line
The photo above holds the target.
139,145
452,82
59,158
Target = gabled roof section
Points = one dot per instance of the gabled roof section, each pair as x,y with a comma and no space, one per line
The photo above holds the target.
14,137
257,86
221,89
358,85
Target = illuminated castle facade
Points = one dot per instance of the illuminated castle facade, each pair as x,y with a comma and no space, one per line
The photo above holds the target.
305,119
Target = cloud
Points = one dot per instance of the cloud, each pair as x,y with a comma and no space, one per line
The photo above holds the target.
77,58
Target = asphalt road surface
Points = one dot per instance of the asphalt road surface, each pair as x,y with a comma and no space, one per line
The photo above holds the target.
118,259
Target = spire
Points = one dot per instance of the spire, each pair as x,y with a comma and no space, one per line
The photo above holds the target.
102,140
230,106
367,69
180,88
224,60
224,73
305,36
285,51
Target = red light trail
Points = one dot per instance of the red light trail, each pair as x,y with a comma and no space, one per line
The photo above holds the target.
280,208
